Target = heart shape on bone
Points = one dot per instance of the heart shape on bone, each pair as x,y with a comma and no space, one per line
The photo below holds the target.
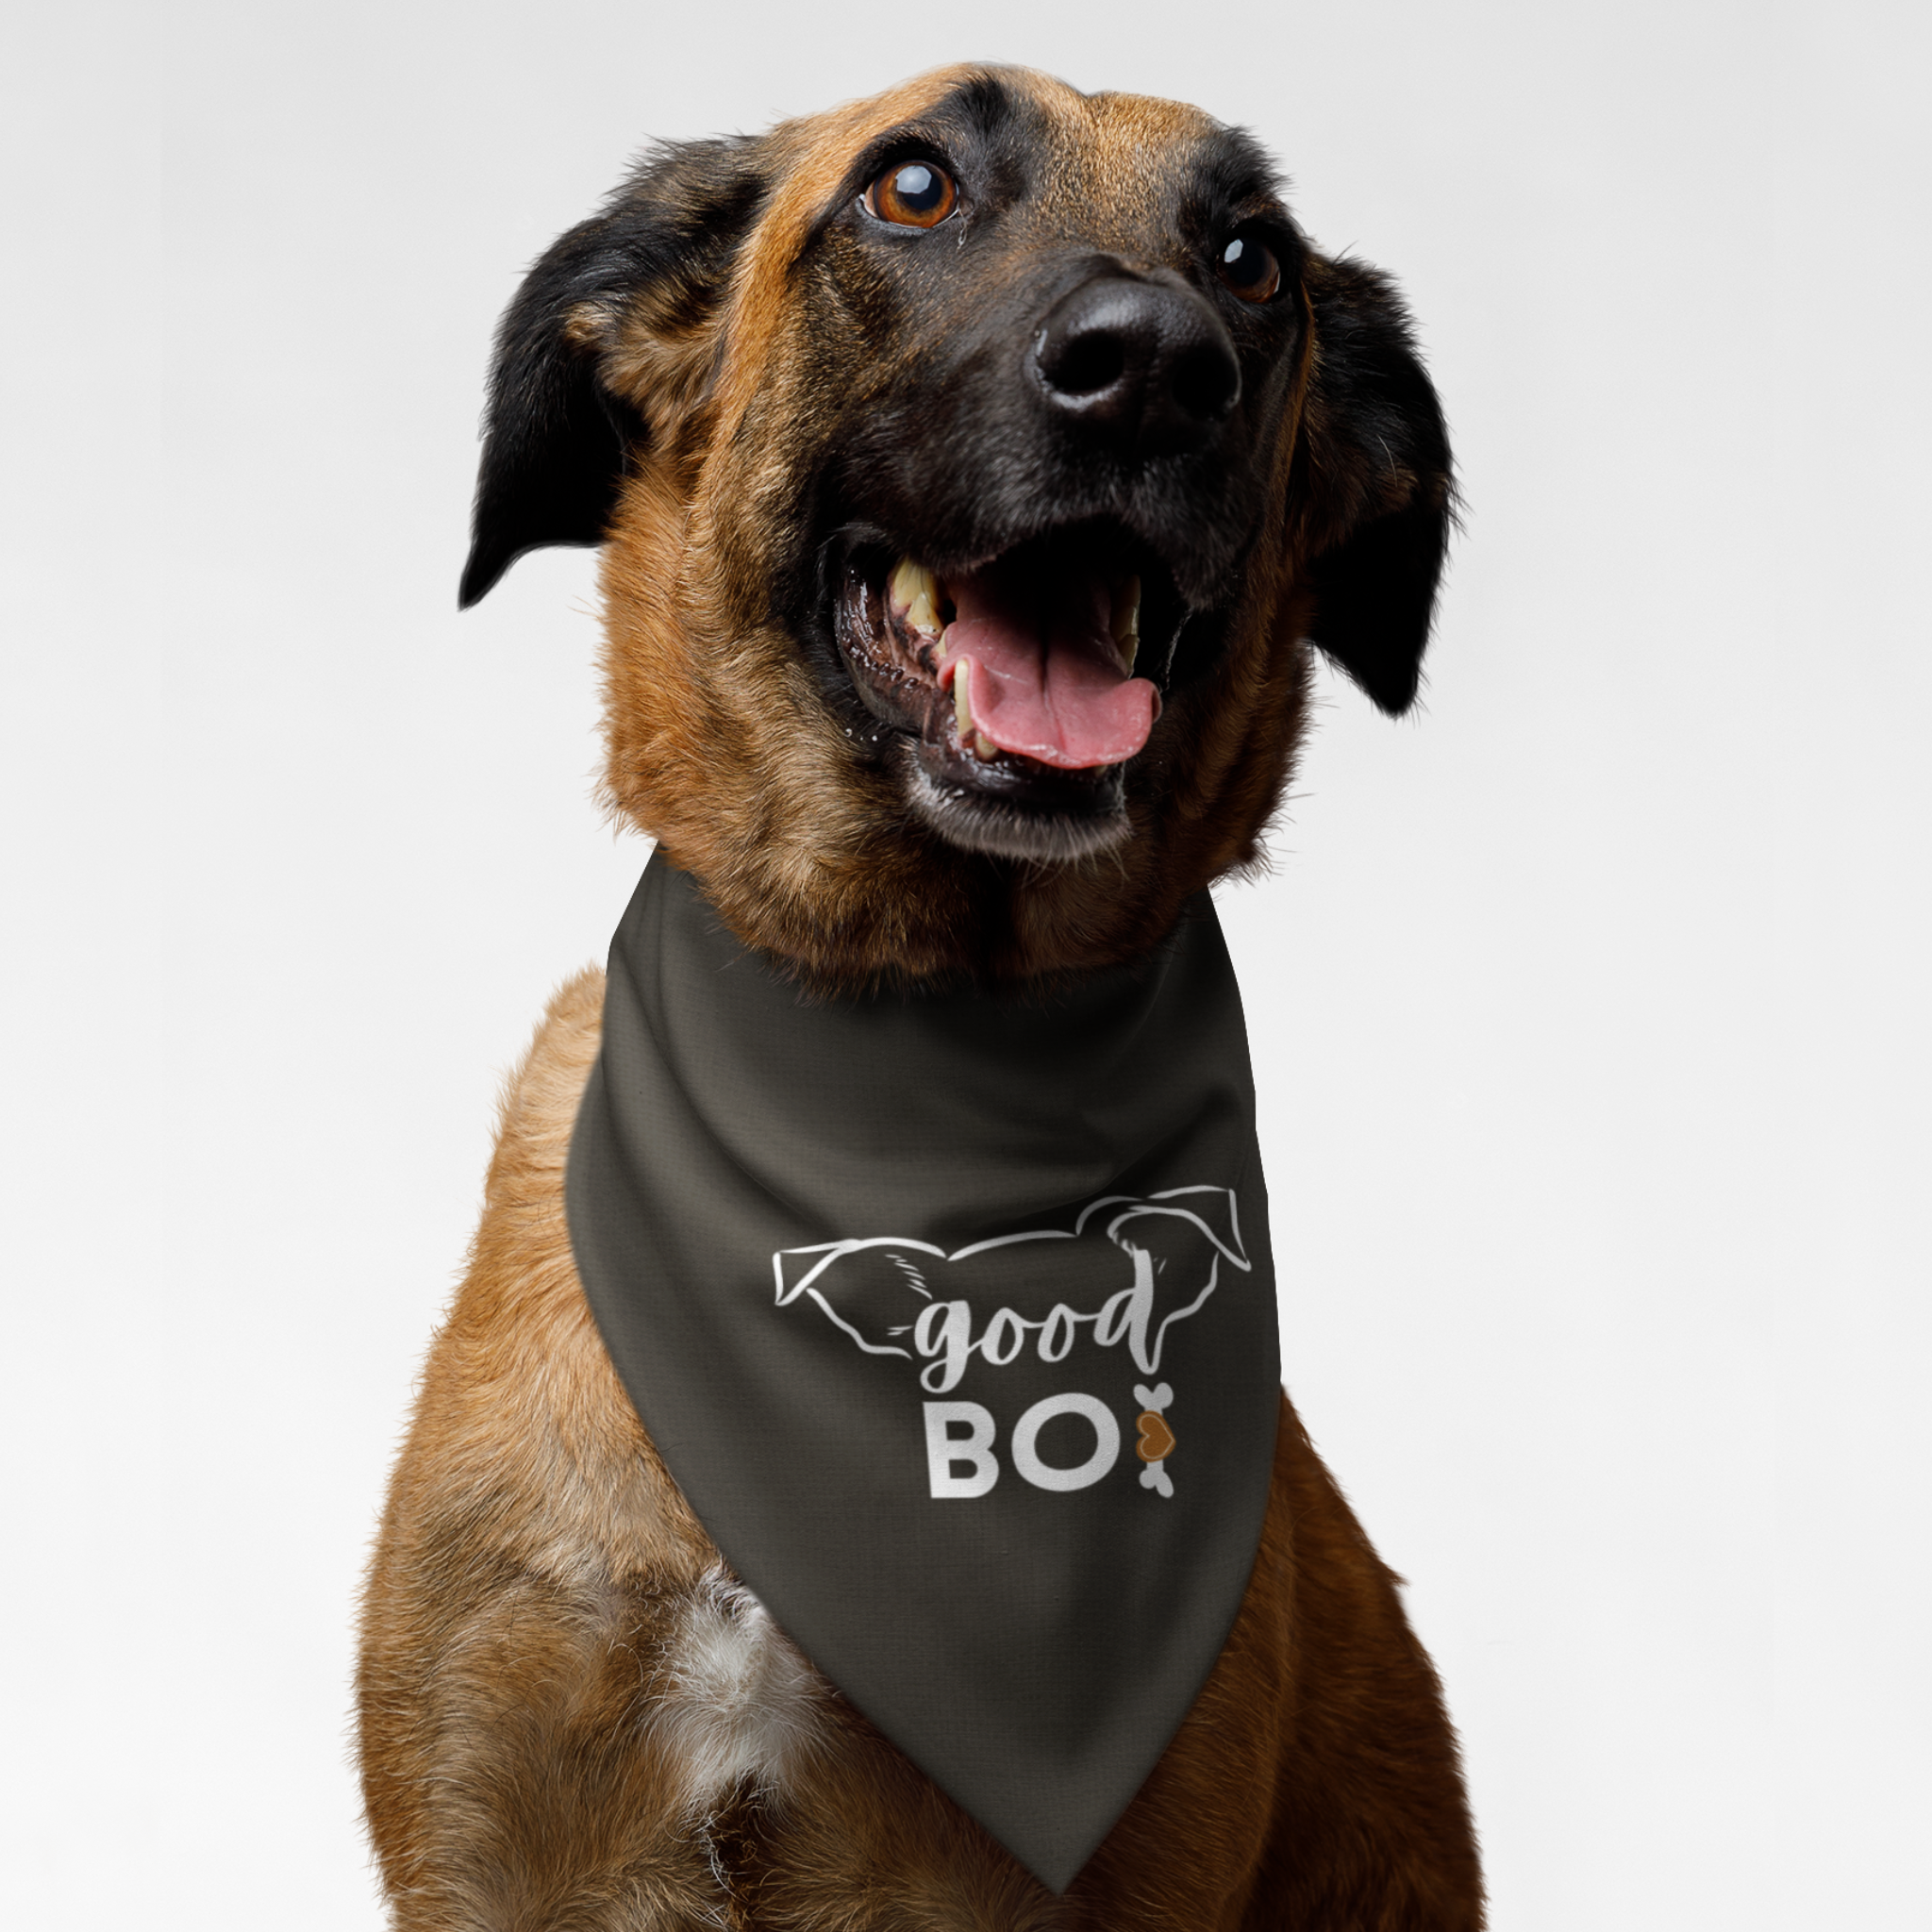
1157,1439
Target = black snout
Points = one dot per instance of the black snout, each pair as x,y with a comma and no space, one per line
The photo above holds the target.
1144,365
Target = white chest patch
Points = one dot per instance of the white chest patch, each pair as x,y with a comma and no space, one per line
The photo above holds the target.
735,1700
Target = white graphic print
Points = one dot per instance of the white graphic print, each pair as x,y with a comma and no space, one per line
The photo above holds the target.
944,1450
1157,1439
1161,1262
1048,1475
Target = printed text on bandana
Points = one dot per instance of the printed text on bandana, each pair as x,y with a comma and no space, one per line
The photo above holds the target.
1120,1279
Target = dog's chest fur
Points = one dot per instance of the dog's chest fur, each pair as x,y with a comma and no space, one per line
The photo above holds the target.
733,1703
572,1714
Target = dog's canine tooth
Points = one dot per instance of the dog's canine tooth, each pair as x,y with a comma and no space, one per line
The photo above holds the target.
1127,619
970,737
914,589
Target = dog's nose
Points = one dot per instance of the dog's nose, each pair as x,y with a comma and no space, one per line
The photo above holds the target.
1145,366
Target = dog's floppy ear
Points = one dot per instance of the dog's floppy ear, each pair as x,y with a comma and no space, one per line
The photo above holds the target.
1381,497
556,435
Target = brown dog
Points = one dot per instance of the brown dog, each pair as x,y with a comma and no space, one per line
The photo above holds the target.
981,338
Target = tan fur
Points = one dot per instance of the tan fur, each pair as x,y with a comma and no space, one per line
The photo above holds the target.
525,1619
571,1716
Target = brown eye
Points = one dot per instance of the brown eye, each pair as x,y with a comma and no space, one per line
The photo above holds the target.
915,195
1248,266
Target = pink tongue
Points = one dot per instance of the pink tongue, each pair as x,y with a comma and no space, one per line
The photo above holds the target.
1044,676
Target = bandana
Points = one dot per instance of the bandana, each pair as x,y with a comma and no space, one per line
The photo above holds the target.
953,1317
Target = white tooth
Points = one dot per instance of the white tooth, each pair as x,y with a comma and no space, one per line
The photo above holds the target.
983,747
914,589
1127,619
962,708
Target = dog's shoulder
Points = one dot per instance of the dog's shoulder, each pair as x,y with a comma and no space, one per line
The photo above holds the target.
539,1098
521,1417
521,1318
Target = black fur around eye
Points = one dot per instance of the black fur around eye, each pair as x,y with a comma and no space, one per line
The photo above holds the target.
1249,267
912,194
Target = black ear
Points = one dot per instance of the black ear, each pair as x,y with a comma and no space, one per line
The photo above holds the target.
1379,458
557,440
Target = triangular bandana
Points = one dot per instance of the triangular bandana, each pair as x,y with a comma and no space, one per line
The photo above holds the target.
953,1317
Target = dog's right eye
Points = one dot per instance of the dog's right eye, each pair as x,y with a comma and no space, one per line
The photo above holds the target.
913,195
1249,267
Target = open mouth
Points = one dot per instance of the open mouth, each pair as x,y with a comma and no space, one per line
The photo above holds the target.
1015,691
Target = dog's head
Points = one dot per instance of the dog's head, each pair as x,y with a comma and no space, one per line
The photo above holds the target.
974,466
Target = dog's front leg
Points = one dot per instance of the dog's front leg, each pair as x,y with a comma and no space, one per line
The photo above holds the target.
513,1777
540,1596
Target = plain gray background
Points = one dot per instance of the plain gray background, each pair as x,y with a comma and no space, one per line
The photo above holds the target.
1588,1003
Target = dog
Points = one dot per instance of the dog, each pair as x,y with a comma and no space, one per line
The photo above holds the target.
837,400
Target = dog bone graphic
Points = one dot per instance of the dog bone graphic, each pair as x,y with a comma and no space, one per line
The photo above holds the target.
1157,1439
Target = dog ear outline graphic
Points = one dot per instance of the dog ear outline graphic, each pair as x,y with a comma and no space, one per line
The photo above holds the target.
895,1296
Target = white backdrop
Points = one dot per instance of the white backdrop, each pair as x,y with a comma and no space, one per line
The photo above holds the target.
1588,1004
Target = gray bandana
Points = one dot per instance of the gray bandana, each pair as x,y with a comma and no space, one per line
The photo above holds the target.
953,1319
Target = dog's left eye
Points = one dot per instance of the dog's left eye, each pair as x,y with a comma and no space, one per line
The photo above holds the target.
914,194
